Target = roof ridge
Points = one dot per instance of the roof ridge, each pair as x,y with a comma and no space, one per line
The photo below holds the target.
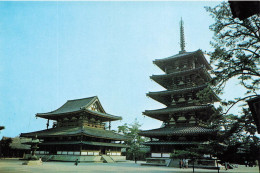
177,55
82,98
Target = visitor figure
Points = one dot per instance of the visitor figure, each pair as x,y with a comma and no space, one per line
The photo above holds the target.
186,163
40,159
226,166
77,161
181,163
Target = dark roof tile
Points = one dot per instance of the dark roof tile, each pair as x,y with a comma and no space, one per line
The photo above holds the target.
178,131
72,131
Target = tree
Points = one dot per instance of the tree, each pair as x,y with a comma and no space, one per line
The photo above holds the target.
239,133
192,153
236,52
135,141
236,55
5,147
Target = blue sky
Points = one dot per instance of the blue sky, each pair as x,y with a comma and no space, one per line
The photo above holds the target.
51,52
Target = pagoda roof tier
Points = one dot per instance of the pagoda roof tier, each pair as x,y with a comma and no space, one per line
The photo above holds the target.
85,142
75,107
175,143
178,131
74,131
162,63
165,79
164,97
162,114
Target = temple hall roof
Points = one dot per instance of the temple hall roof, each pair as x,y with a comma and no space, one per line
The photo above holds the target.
178,131
85,142
161,63
73,131
79,106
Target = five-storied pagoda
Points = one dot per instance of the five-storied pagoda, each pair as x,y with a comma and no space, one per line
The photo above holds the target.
185,118
79,132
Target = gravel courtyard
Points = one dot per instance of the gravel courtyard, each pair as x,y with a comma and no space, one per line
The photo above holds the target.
15,166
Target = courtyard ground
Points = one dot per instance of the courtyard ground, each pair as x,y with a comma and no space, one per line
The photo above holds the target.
15,166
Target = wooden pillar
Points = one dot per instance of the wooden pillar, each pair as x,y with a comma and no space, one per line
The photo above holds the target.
80,149
48,123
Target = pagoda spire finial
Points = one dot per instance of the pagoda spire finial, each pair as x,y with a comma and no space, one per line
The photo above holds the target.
182,41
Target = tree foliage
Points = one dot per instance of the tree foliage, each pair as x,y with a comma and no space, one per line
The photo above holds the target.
189,153
5,147
236,55
135,141
236,49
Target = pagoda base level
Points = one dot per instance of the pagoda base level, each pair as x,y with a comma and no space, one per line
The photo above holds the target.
72,158
168,162
32,162
161,162
207,167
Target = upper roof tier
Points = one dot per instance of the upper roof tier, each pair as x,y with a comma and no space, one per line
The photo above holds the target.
163,63
90,105
167,79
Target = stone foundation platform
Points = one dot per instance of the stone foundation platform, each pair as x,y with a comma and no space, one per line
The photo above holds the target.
73,158
32,162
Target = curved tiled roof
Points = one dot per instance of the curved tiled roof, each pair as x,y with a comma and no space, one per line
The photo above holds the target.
85,142
164,97
164,79
104,115
176,110
72,131
177,131
181,73
162,62
71,106
163,114
178,91
77,106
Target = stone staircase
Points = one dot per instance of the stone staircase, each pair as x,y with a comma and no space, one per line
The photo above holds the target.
107,159
46,158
